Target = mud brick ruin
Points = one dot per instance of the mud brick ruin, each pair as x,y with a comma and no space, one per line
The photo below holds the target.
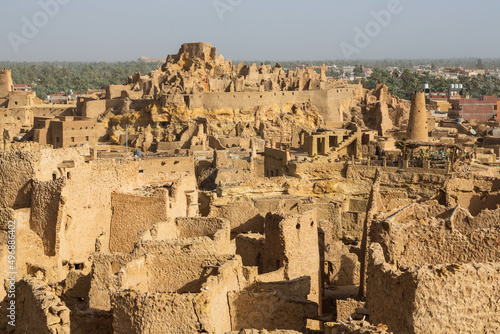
212,197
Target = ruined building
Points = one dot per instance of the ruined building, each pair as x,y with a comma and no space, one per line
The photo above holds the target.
221,198
417,124
200,78
6,84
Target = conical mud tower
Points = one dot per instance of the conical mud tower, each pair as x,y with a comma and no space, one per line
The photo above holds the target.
6,85
417,125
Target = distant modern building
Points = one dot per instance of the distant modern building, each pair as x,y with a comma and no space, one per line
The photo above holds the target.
439,101
456,90
482,109
348,70
62,98
22,88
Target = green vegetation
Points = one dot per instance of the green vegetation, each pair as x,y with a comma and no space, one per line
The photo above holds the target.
51,78
403,84
469,63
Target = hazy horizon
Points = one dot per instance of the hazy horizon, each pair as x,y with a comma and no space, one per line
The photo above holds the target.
112,31
426,60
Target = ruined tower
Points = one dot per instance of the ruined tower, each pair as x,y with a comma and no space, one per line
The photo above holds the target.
417,125
6,84
384,122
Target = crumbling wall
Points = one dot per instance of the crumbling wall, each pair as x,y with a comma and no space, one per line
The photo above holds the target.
156,265
340,232
160,231
250,247
75,292
84,207
274,248
285,302
6,215
105,268
264,331
214,228
292,243
330,103
203,312
184,197
432,269
473,192
133,275
414,236
355,327
340,240
46,213
316,169
87,212
301,257
229,278
346,309
433,298
17,168
436,245
133,212
38,310
231,176
180,270
465,303
29,247
195,227
275,162
417,182
152,166
341,266
242,215
396,290
135,313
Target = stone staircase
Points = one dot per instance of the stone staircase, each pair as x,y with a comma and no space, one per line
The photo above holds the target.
154,147
346,142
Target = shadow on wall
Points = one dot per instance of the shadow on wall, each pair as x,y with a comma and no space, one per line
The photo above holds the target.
77,290
348,270
345,272
322,250
195,285
76,297
253,225
204,200
285,301
45,218
206,174
23,198
385,285
478,203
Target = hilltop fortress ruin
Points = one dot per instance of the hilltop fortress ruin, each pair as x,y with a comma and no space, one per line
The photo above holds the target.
208,197
200,78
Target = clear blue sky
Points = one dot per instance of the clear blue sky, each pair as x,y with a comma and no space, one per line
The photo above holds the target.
122,30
